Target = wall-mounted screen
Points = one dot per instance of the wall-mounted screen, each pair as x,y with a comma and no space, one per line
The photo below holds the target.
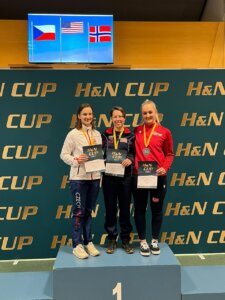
62,38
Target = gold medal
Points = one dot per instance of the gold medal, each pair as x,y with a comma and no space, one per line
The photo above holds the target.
116,142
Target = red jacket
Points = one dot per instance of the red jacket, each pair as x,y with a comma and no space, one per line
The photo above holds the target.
161,146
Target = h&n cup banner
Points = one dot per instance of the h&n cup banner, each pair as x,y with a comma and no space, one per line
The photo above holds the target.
37,110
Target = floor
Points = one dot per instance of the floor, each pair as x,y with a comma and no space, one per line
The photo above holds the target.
47,264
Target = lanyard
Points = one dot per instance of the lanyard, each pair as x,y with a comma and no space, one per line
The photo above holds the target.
116,142
87,136
147,142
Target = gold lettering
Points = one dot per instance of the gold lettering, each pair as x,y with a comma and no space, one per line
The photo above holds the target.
195,239
24,241
217,121
2,89
141,89
192,88
48,88
216,208
66,212
60,241
128,89
65,181
103,117
34,180
175,178
185,149
29,211
186,119
170,237
86,89
108,87
160,87
221,180
211,236
170,208
5,245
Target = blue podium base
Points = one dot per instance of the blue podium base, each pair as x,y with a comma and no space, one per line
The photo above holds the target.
203,283
26,286
117,276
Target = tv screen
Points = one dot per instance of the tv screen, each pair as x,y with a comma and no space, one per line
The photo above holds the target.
62,38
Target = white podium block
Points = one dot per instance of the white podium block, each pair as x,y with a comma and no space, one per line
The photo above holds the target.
117,276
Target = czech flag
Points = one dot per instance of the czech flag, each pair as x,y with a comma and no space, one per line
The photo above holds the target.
100,34
44,32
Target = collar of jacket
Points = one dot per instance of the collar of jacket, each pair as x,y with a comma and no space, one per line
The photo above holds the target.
110,130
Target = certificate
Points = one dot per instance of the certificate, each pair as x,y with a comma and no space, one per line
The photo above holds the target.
95,161
113,162
114,169
147,178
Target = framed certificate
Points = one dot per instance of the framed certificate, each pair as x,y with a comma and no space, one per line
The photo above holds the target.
147,178
113,162
95,161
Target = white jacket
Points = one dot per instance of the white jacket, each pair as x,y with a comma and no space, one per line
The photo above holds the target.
72,148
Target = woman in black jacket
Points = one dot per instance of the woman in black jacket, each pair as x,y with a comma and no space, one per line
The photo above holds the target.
118,147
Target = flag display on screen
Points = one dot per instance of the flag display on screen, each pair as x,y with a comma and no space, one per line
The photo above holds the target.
99,34
72,27
44,32
69,38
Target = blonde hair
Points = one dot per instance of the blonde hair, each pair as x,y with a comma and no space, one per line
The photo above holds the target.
147,101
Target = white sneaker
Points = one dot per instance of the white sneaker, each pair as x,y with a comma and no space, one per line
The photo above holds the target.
79,252
155,248
144,249
91,249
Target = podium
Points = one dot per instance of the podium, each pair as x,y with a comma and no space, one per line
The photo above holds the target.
118,276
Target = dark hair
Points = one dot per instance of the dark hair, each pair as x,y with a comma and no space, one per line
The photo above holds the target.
119,108
78,124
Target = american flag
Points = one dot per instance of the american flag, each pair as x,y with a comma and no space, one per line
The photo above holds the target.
72,27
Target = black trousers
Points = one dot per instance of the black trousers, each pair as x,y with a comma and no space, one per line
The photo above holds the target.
117,198
156,204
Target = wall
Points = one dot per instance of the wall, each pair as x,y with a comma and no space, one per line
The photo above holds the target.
138,44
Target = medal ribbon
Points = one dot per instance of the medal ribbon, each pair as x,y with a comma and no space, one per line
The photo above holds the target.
116,142
87,136
147,142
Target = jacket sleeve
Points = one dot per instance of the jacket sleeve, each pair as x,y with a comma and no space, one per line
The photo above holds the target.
131,148
168,151
67,150
104,144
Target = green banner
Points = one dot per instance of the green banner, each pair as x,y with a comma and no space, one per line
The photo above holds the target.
37,109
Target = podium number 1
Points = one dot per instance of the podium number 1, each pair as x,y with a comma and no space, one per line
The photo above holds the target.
118,291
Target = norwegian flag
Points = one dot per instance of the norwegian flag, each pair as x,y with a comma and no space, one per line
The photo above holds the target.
100,34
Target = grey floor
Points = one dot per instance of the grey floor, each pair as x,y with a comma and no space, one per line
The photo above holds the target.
47,264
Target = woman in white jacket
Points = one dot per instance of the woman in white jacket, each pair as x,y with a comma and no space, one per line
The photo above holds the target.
84,187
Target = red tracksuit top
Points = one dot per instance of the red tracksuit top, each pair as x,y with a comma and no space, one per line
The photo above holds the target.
161,146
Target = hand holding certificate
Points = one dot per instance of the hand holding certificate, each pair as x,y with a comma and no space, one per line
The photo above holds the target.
147,178
114,162
95,161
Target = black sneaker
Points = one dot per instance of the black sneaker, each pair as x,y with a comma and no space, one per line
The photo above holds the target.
127,247
155,248
111,246
144,249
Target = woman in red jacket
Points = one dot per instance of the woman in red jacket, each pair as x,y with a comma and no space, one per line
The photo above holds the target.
154,145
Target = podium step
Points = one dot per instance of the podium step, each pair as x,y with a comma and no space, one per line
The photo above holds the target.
117,276
26,286
203,283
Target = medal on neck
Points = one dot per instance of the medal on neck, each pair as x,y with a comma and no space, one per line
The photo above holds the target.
116,142
146,150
